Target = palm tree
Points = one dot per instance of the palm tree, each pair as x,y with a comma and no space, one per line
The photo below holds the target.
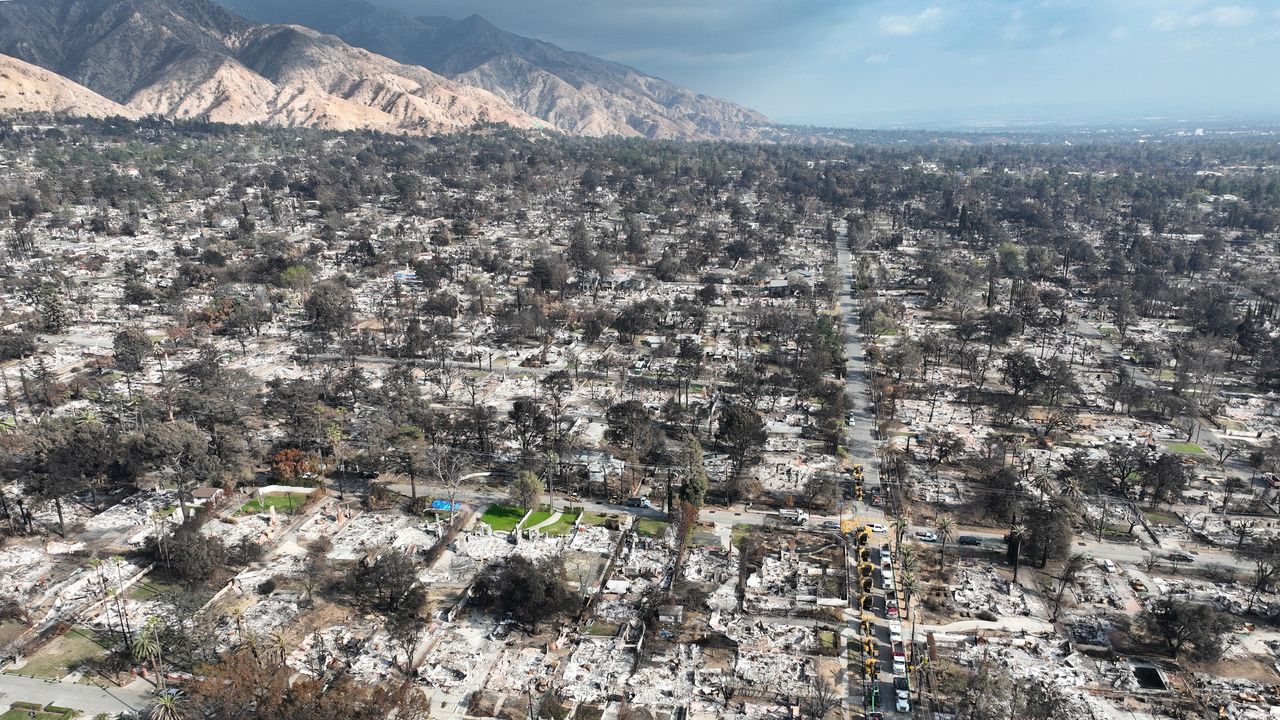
900,528
910,585
946,532
146,649
281,643
1041,483
1016,534
1072,490
168,707
1071,569
909,558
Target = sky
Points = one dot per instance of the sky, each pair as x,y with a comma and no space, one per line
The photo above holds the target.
868,63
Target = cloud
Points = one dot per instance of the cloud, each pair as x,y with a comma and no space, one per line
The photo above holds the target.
905,25
927,59
1225,16
1220,17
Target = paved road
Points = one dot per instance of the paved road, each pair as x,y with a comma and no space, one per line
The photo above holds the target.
861,442
89,699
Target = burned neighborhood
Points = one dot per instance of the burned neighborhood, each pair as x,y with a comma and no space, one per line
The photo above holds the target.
503,424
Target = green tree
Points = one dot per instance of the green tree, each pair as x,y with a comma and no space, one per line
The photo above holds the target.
694,488
946,533
390,584
526,490
631,426
1017,534
330,306
1182,625
52,309
131,347
529,593
146,648
741,431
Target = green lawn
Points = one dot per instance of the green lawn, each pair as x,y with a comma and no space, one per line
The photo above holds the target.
282,504
1186,448
146,589
563,526
64,654
594,519
650,527
502,518
17,714
827,639
738,534
537,517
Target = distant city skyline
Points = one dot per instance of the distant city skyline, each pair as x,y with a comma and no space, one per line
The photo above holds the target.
872,64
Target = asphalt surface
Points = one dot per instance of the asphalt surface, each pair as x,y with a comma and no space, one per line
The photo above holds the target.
88,699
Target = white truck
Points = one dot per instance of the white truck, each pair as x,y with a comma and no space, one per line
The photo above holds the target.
793,516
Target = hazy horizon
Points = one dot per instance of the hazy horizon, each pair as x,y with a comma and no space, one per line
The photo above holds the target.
870,64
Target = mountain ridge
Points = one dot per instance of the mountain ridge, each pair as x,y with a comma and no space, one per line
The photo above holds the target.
26,88
195,59
577,93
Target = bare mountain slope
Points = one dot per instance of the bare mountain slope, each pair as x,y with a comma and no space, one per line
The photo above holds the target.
27,88
573,91
190,58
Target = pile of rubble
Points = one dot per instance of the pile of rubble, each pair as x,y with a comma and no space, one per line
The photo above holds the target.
23,569
979,589
452,656
709,565
772,636
1068,673
592,539
773,671
261,619
669,679
372,531
597,669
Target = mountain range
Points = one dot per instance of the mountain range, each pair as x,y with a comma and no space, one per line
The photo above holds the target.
575,92
333,64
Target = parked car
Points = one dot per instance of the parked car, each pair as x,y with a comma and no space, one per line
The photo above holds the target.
830,525
927,536
638,502
1179,556
904,705
970,540
901,685
877,527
